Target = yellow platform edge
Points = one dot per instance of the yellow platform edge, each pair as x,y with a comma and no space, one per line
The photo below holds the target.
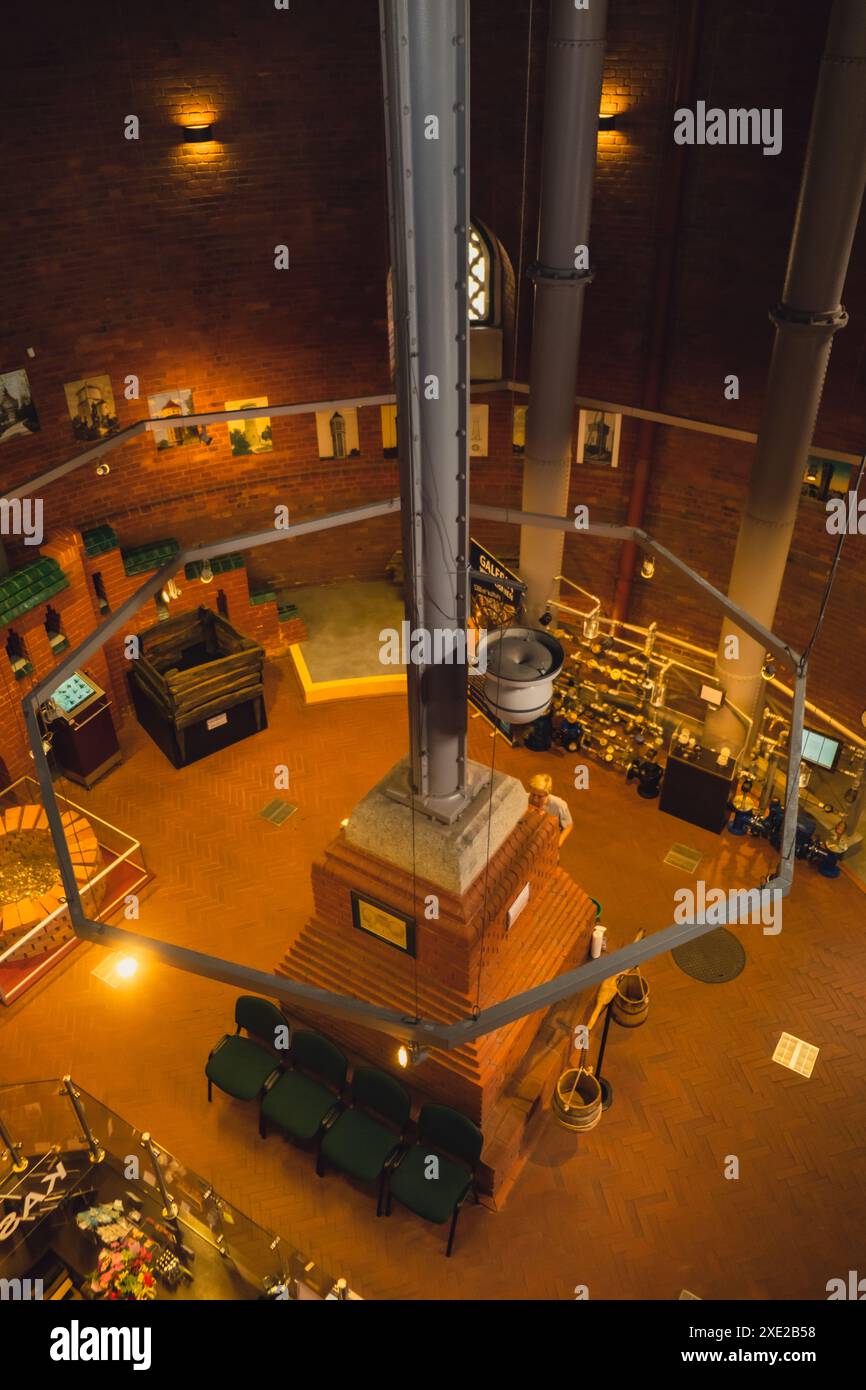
358,688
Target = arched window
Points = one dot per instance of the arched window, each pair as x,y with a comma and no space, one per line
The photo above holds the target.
481,306
490,279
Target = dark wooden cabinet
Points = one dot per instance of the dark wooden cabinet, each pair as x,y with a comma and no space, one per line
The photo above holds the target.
697,790
84,741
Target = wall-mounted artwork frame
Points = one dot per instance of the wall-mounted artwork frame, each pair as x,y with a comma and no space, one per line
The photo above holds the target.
598,437
518,429
826,478
390,448
479,421
172,406
17,411
385,923
337,433
90,403
250,435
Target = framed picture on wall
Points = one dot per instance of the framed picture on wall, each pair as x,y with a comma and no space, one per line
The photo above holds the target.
389,925
172,406
479,416
337,433
90,403
598,438
389,431
17,411
250,435
518,429
826,478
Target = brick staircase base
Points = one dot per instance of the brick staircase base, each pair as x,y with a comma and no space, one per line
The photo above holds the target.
464,956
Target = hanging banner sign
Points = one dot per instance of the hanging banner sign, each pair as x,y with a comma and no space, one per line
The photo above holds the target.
493,604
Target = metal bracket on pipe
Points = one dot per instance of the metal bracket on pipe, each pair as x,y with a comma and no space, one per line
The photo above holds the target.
551,277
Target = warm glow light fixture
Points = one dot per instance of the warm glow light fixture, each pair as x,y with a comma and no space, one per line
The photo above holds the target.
410,1055
607,122
197,134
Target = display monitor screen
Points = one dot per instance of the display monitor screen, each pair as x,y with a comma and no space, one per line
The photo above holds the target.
819,750
73,692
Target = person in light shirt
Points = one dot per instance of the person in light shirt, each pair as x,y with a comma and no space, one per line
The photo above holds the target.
542,798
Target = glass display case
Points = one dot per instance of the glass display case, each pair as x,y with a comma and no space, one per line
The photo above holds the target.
35,930
93,1208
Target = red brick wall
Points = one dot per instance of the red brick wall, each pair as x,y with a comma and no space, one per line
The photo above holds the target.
150,258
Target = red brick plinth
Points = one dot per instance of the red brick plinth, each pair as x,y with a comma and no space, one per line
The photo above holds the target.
443,982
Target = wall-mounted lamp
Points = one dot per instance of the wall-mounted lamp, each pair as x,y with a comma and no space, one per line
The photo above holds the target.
103,470
205,574
768,670
205,435
410,1055
197,134
647,567
170,592
607,122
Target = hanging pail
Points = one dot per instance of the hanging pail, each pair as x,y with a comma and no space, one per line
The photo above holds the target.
630,1004
576,1100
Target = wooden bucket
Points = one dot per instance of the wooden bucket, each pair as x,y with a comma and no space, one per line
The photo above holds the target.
630,1004
576,1101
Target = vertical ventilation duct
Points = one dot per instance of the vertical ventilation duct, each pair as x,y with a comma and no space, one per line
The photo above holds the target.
575,57
425,64
810,313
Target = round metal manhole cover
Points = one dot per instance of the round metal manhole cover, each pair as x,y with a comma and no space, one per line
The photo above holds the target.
713,959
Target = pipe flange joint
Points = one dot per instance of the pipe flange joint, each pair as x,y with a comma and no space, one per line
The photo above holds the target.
807,318
552,276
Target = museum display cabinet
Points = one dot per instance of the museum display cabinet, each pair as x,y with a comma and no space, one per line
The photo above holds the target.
93,1208
197,685
35,930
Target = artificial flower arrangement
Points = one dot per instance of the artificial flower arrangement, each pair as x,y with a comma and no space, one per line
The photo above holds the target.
123,1271
124,1266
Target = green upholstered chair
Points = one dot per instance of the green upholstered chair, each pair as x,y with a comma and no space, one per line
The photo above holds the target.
438,1198
357,1140
300,1099
241,1066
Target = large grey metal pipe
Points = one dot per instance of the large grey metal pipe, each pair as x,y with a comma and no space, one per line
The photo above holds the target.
831,193
425,62
575,57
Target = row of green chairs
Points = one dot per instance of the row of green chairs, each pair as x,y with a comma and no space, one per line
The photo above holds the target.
360,1127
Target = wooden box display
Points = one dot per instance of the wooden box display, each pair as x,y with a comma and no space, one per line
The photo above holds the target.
197,685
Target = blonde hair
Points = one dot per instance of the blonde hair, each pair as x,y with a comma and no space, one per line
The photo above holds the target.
541,782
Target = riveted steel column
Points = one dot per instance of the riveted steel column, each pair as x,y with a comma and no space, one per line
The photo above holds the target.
811,312
575,56
425,65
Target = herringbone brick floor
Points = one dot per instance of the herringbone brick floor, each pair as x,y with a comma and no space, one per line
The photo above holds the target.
640,1207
